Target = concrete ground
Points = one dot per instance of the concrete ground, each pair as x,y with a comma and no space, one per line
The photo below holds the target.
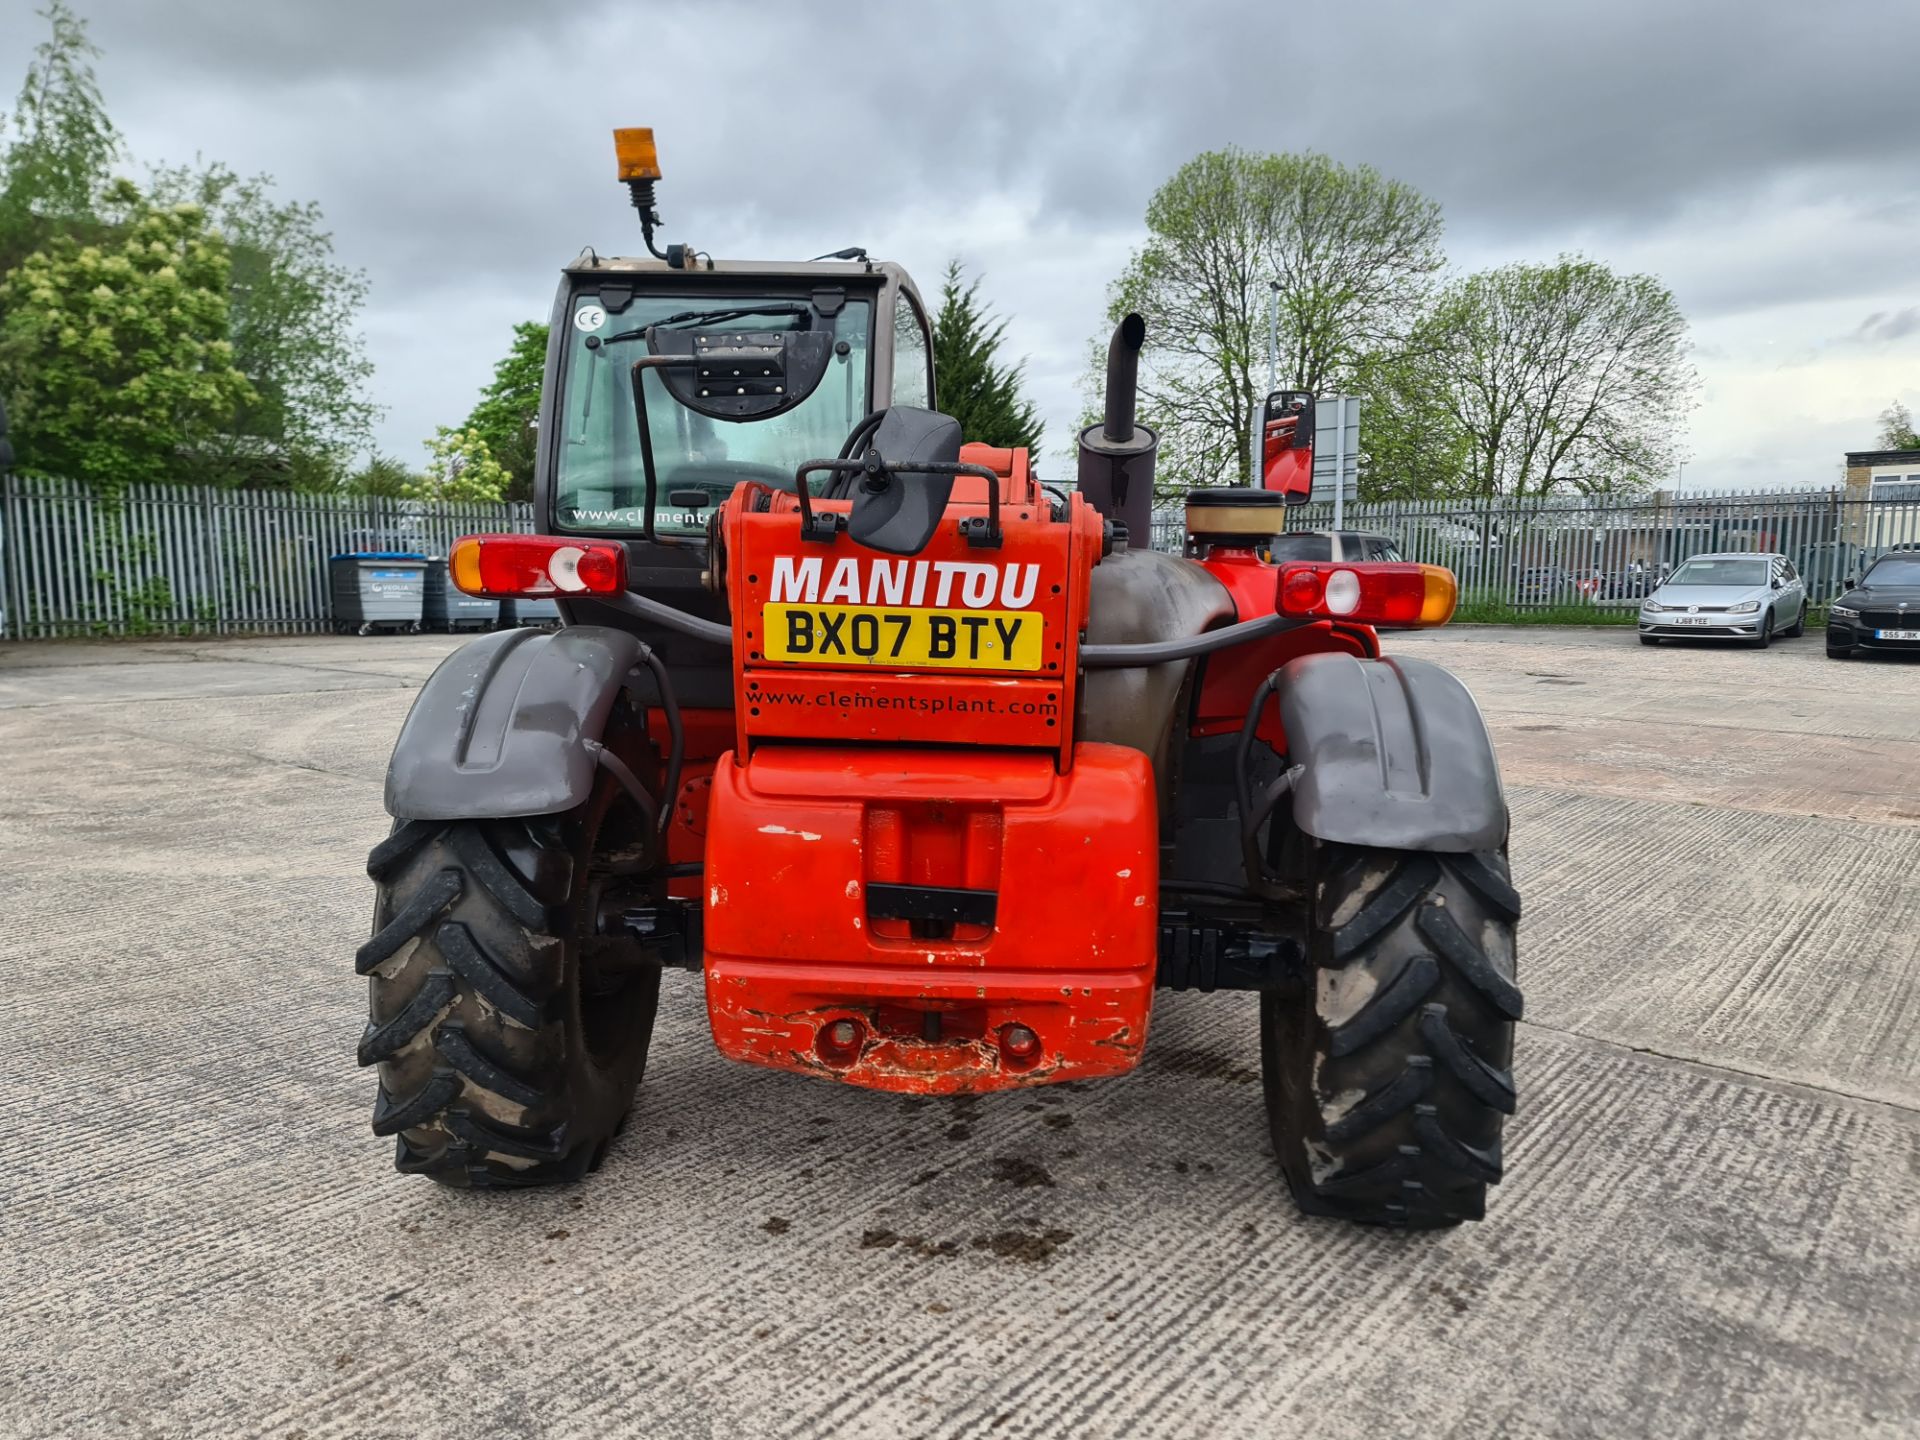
1709,1226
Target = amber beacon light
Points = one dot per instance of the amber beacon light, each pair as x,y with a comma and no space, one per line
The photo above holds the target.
635,151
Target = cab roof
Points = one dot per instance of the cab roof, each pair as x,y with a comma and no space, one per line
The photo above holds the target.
858,272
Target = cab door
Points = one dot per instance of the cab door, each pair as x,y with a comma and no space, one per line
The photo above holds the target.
912,355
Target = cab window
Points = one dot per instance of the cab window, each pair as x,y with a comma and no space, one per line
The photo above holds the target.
599,482
912,362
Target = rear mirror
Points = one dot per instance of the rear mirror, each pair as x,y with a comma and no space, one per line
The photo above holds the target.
1286,445
1851,583
1778,583
687,499
888,513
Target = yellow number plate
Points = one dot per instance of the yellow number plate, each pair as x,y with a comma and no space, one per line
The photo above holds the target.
903,639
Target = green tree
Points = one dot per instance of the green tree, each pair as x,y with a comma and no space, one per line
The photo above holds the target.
62,145
114,357
461,469
1560,377
1345,254
509,407
1896,428
1411,447
384,476
293,312
974,386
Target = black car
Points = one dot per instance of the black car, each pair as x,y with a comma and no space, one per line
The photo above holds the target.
1881,611
1631,584
1543,585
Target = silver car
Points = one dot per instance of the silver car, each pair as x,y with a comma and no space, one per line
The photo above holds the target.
1728,597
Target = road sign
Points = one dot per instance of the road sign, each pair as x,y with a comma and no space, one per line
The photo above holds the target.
1336,450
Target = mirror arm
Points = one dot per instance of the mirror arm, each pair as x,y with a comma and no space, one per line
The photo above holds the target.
644,363
828,524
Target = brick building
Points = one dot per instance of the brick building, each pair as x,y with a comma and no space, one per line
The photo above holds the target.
1888,481
1883,475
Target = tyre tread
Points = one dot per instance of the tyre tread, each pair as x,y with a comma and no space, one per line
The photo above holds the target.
1396,999
1469,960
1407,1088
476,1021
391,1116
380,1041
427,903
488,979
454,1046
1430,1043
1383,908
506,887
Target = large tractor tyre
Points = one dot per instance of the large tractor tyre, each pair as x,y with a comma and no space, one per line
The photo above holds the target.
509,1044
1387,1082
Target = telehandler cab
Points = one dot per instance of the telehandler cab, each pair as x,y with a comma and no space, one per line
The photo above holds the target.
932,773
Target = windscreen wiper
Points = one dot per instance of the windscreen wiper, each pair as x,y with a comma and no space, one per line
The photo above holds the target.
714,317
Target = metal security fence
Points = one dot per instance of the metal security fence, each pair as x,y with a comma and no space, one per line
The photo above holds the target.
1604,550
171,559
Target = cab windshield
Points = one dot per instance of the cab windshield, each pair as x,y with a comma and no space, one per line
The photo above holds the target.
599,483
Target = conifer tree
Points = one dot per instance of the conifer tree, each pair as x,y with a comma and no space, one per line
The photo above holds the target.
974,386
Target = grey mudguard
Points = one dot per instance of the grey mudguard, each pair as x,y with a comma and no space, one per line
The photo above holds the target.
501,728
1395,755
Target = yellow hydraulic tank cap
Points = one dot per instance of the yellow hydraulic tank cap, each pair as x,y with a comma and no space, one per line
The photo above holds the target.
1235,515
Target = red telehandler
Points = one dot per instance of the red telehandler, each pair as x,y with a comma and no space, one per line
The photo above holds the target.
931,773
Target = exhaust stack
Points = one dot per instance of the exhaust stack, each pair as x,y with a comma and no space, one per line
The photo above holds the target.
1117,455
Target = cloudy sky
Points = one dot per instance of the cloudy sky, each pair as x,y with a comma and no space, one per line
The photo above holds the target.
1760,158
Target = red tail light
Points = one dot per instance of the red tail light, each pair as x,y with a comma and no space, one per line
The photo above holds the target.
533,565
1373,594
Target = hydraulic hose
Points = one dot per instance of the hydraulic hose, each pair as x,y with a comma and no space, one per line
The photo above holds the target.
629,782
642,608
1159,652
658,814
676,735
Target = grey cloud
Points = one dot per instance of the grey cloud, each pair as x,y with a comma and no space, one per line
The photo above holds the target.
1884,326
460,150
1509,114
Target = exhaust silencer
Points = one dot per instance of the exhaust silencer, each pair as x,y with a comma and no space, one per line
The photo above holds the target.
1116,456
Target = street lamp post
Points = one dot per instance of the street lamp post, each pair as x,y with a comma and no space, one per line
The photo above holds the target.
1273,335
